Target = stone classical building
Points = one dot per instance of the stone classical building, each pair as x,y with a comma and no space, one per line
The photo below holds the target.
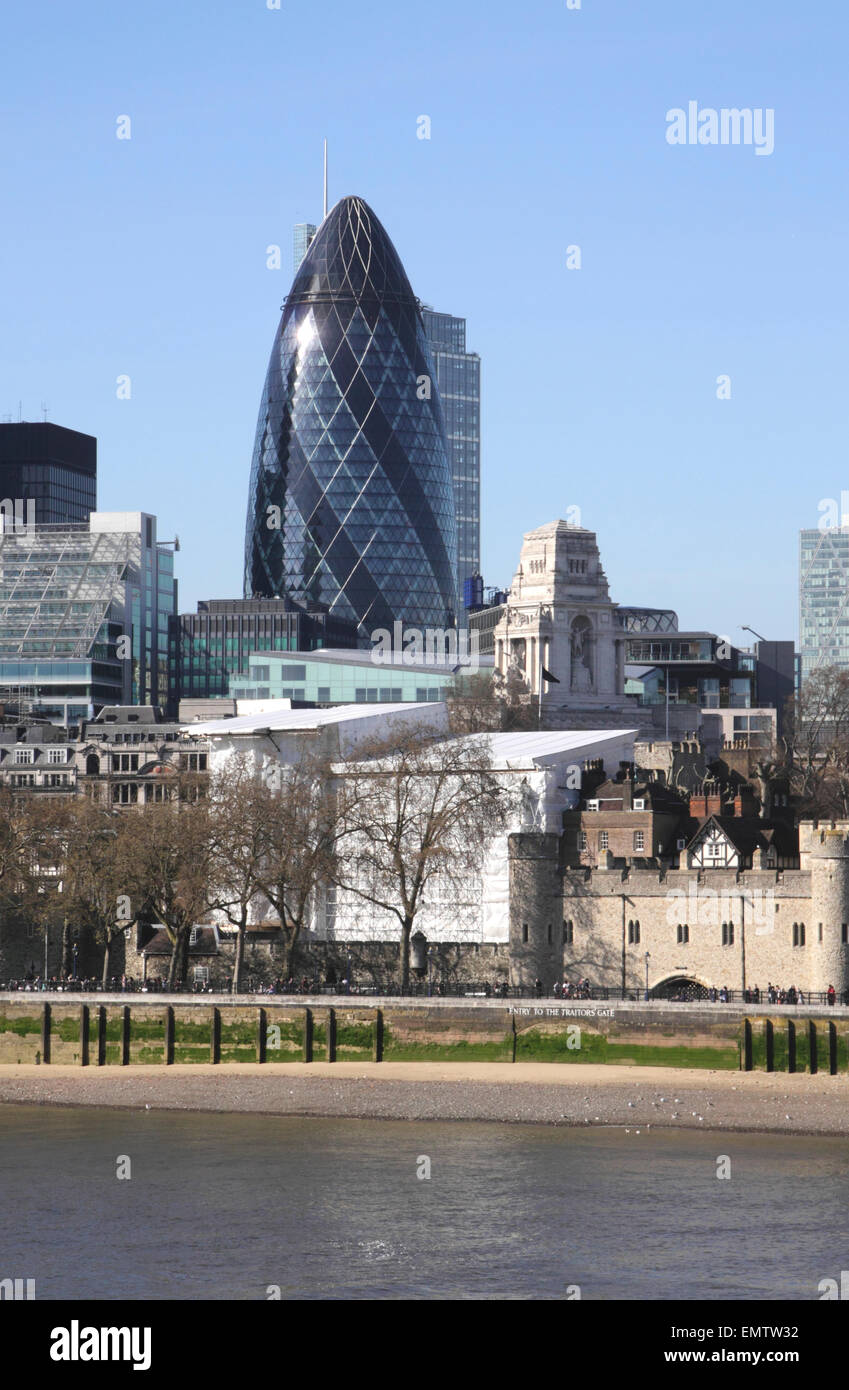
560,630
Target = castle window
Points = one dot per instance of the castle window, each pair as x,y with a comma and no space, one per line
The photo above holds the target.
798,933
602,839
728,933
639,840
525,933
582,839
683,933
549,934
633,933
568,933
819,932
844,934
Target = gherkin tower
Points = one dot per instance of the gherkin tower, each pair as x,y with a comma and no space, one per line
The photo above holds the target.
351,501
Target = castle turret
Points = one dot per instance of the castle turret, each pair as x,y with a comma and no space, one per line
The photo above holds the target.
827,934
536,910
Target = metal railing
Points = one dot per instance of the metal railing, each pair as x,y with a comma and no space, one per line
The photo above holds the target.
421,989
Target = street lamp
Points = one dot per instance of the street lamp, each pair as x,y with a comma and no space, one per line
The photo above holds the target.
648,958
744,627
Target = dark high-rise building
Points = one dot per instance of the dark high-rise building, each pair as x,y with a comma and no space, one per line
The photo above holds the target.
458,376
351,502
776,671
210,646
52,468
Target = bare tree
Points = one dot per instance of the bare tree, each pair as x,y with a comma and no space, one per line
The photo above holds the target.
169,848
817,742
238,823
295,809
484,701
413,807
97,843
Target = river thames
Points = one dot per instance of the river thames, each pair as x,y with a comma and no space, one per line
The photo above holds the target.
219,1206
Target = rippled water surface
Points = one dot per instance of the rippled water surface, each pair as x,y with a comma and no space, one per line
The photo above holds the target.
224,1206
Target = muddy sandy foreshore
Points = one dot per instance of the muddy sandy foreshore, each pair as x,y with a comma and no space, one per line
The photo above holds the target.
531,1093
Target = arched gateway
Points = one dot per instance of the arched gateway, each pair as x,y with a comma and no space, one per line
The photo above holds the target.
679,987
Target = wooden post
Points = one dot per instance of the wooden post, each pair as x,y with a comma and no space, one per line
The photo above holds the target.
261,1035
84,1027
513,1031
169,1036
770,1046
832,1049
747,1044
125,1036
101,1036
378,1035
331,1035
215,1037
308,1035
45,1032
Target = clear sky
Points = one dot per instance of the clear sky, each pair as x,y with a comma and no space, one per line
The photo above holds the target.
147,257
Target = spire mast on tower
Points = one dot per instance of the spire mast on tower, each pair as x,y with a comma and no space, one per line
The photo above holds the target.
325,178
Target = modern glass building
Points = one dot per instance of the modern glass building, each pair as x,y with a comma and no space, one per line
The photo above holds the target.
210,646
823,598
689,668
50,471
304,233
458,376
351,502
84,616
340,678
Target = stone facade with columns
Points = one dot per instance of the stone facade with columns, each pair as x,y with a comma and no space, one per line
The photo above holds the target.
559,616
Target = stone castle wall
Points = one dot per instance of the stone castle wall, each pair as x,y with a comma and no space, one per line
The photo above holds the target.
610,918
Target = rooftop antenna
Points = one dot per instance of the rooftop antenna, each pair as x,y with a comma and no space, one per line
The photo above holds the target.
325,178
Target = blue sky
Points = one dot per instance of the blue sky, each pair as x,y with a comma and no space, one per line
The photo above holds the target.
148,257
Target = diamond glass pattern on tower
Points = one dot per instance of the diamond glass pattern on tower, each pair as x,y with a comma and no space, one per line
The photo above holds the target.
351,444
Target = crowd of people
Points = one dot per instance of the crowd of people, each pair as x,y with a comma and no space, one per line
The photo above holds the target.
773,994
570,989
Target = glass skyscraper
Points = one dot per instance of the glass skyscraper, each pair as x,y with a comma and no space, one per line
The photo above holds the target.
351,502
823,598
458,376
304,233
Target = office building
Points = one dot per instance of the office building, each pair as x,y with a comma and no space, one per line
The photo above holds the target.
458,376
303,238
50,473
344,678
211,646
823,598
84,616
351,502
